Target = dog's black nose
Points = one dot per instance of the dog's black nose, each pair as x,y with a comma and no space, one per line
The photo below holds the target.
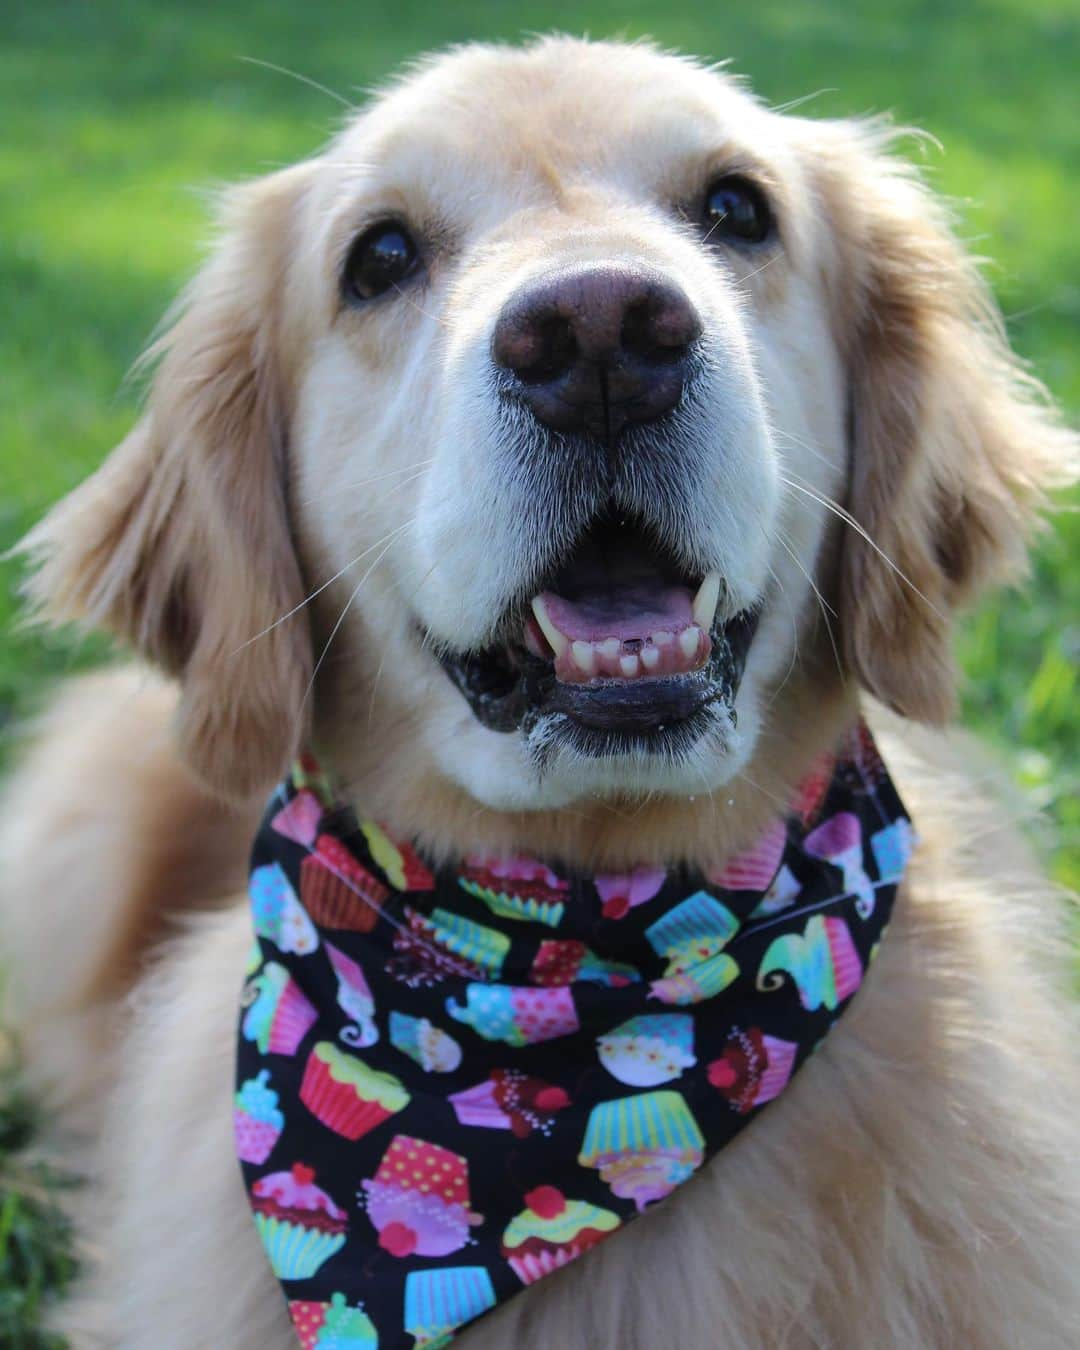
597,346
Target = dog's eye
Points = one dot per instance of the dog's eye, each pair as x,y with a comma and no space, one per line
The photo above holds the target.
382,258
736,210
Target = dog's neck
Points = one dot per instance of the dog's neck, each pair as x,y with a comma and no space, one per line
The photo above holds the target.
702,830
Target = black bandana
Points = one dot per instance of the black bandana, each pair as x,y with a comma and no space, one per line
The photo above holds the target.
451,1083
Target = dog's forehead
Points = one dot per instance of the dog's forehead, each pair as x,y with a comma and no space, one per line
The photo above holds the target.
483,123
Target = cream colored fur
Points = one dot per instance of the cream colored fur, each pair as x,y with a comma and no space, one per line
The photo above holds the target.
918,1185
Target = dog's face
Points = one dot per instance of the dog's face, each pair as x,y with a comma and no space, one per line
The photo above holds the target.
572,401
528,402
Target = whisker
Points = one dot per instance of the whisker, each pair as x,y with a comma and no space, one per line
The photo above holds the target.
376,478
345,609
784,806
805,445
751,275
794,636
794,103
826,609
334,491
319,589
849,519
301,79
419,308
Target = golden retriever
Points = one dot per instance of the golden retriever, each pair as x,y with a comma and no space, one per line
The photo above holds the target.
351,469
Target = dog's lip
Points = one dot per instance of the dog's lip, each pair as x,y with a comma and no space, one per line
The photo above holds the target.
509,687
621,637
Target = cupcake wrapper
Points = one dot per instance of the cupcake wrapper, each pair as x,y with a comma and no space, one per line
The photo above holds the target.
332,904
780,1060
295,1252
753,871
293,1018
532,1266
255,1139
337,1105
845,959
477,1106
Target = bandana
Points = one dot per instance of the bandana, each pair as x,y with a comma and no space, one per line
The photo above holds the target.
453,1081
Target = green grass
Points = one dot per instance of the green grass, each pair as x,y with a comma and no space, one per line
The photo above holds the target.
117,115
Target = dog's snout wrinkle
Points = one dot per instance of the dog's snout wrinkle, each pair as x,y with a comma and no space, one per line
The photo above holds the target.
597,347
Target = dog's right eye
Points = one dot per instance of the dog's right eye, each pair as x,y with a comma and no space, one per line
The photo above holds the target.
380,260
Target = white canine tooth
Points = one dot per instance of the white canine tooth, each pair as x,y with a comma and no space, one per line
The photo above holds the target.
559,641
609,649
705,601
584,657
629,666
663,638
650,658
688,641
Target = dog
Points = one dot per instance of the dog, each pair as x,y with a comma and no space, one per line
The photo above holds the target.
535,312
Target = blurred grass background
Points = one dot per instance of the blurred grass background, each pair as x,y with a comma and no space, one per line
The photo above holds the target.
117,116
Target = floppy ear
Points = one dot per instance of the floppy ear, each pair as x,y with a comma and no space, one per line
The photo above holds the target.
180,543
952,443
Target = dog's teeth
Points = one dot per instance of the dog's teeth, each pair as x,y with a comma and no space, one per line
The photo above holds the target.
705,601
559,641
584,657
609,649
663,638
688,641
630,666
650,658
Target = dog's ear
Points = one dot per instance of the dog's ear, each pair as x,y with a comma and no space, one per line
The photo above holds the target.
952,444
180,543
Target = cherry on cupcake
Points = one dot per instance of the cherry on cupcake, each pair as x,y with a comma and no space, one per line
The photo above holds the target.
398,1239
551,1099
546,1202
722,1073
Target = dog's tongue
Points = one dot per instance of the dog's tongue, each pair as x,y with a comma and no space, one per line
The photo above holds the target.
629,613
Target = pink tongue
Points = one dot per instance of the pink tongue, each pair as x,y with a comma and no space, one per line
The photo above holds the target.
626,612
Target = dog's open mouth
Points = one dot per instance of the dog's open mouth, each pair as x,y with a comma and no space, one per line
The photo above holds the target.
620,642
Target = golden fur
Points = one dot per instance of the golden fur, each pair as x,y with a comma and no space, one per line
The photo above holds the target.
918,1186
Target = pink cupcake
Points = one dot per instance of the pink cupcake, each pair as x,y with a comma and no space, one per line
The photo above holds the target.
510,1100
419,1199
622,892
753,1068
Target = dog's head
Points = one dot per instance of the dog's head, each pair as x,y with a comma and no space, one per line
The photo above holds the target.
574,426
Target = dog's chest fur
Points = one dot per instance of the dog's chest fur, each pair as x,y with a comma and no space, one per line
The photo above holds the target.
915,1187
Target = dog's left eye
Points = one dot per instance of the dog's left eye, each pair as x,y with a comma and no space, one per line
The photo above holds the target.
737,210
382,258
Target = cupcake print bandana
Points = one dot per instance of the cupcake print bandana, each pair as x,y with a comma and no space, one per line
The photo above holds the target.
452,1082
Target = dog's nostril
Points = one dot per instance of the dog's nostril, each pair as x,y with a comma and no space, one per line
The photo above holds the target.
555,352
659,333
662,326
595,347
